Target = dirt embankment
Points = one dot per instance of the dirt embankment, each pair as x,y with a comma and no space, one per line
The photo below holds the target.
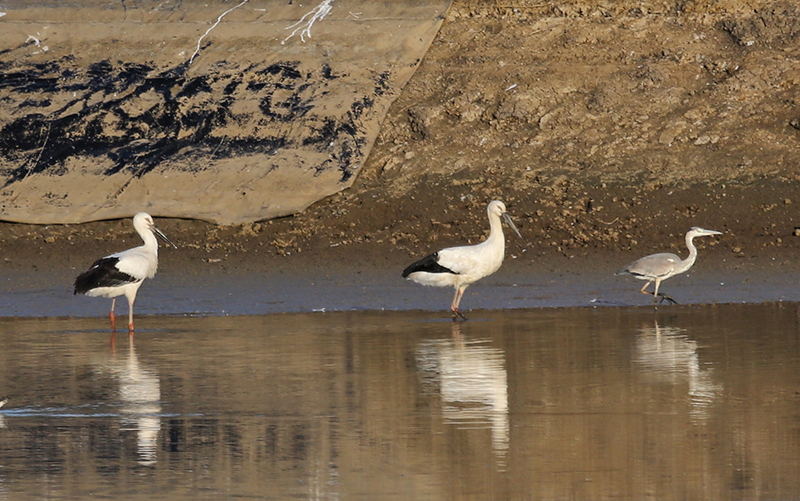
602,125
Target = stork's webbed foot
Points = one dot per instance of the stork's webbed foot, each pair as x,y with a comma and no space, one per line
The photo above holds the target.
457,315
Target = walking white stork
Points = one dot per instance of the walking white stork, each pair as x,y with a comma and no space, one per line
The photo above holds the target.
461,266
659,267
123,273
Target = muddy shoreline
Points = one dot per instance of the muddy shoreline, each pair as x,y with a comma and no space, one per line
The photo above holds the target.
601,155
247,276
344,254
757,220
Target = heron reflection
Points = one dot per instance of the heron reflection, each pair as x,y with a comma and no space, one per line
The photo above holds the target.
140,393
472,382
669,355
3,401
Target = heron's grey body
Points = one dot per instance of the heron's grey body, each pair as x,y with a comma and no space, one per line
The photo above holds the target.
461,266
659,267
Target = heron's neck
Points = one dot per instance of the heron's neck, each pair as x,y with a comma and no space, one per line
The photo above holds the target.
689,261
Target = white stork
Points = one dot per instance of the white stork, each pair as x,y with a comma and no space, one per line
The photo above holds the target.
659,267
123,273
461,266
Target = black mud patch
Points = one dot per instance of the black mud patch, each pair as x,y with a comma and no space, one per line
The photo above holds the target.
137,117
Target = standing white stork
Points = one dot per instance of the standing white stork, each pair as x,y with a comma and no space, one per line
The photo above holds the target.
123,273
659,267
461,266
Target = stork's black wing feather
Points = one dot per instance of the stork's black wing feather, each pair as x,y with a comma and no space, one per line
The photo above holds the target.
103,273
429,264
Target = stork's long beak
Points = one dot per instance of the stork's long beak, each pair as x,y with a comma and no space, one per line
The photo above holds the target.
163,237
510,224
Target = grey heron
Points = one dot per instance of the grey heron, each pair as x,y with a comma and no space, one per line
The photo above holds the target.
659,267
461,266
123,273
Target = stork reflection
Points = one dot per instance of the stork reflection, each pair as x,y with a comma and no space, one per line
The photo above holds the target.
140,394
667,354
472,383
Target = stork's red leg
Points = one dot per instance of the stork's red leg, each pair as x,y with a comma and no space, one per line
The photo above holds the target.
111,315
130,317
456,302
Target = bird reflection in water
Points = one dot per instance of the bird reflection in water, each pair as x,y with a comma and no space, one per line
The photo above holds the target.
140,393
3,401
669,355
472,382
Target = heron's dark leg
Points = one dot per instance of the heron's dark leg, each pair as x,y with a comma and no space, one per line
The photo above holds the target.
660,297
648,292
655,294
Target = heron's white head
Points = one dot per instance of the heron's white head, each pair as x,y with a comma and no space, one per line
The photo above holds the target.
498,209
701,232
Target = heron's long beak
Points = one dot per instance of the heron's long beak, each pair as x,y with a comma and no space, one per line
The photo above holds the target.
705,232
163,237
510,224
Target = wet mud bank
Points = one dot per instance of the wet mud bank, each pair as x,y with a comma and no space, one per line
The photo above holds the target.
367,277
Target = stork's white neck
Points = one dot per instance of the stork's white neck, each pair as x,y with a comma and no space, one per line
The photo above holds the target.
496,237
150,242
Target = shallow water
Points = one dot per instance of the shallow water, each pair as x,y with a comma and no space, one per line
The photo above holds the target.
204,290
691,402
